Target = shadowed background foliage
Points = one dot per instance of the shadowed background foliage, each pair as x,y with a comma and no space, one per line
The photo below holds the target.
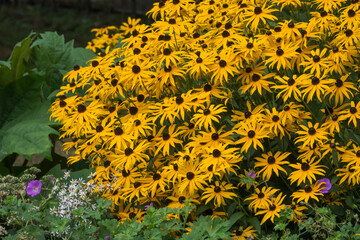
73,18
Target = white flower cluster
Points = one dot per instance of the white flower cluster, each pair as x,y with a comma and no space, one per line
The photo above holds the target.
72,195
3,231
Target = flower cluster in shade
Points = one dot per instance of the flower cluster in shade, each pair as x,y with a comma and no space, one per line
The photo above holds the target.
72,195
189,106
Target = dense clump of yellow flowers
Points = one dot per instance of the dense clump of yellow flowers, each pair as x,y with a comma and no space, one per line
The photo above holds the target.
225,102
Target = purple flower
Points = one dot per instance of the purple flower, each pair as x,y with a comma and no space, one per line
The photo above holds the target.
33,188
252,174
147,206
325,184
107,237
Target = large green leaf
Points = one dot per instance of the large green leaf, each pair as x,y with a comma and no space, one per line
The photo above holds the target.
52,53
28,133
18,62
80,56
20,57
24,122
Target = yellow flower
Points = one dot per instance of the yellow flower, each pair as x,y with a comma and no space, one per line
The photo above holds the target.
261,198
306,171
308,192
311,134
273,209
206,117
271,163
218,192
251,134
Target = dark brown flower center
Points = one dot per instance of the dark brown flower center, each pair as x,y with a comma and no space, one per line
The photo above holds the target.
349,32
251,134
216,153
214,136
128,151
81,108
166,136
271,160
255,77
279,52
136,69
181,199
316,58
339,83
217,189
94,63
315,81
156,177
125,173
275,118
179,100
353,110
133,110
176,167
351,13
132,215
222,63
257,10
106,164
190,175
261,195
118,131
206,112
99,129
62,103
167,51
305,166
308,189
207,88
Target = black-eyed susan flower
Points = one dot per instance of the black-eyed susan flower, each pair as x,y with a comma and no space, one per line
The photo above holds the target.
206,117
261,198
256,14
280,56
251,134
310,191
270,163
351,114
311,134
306,171
244,233
273,209
165,139
218,192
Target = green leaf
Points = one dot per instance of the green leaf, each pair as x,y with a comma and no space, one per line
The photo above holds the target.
235,217
16,66
80,56
254,221
84,173
56,171
6,75
24,121
28,133
20,56
337,210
